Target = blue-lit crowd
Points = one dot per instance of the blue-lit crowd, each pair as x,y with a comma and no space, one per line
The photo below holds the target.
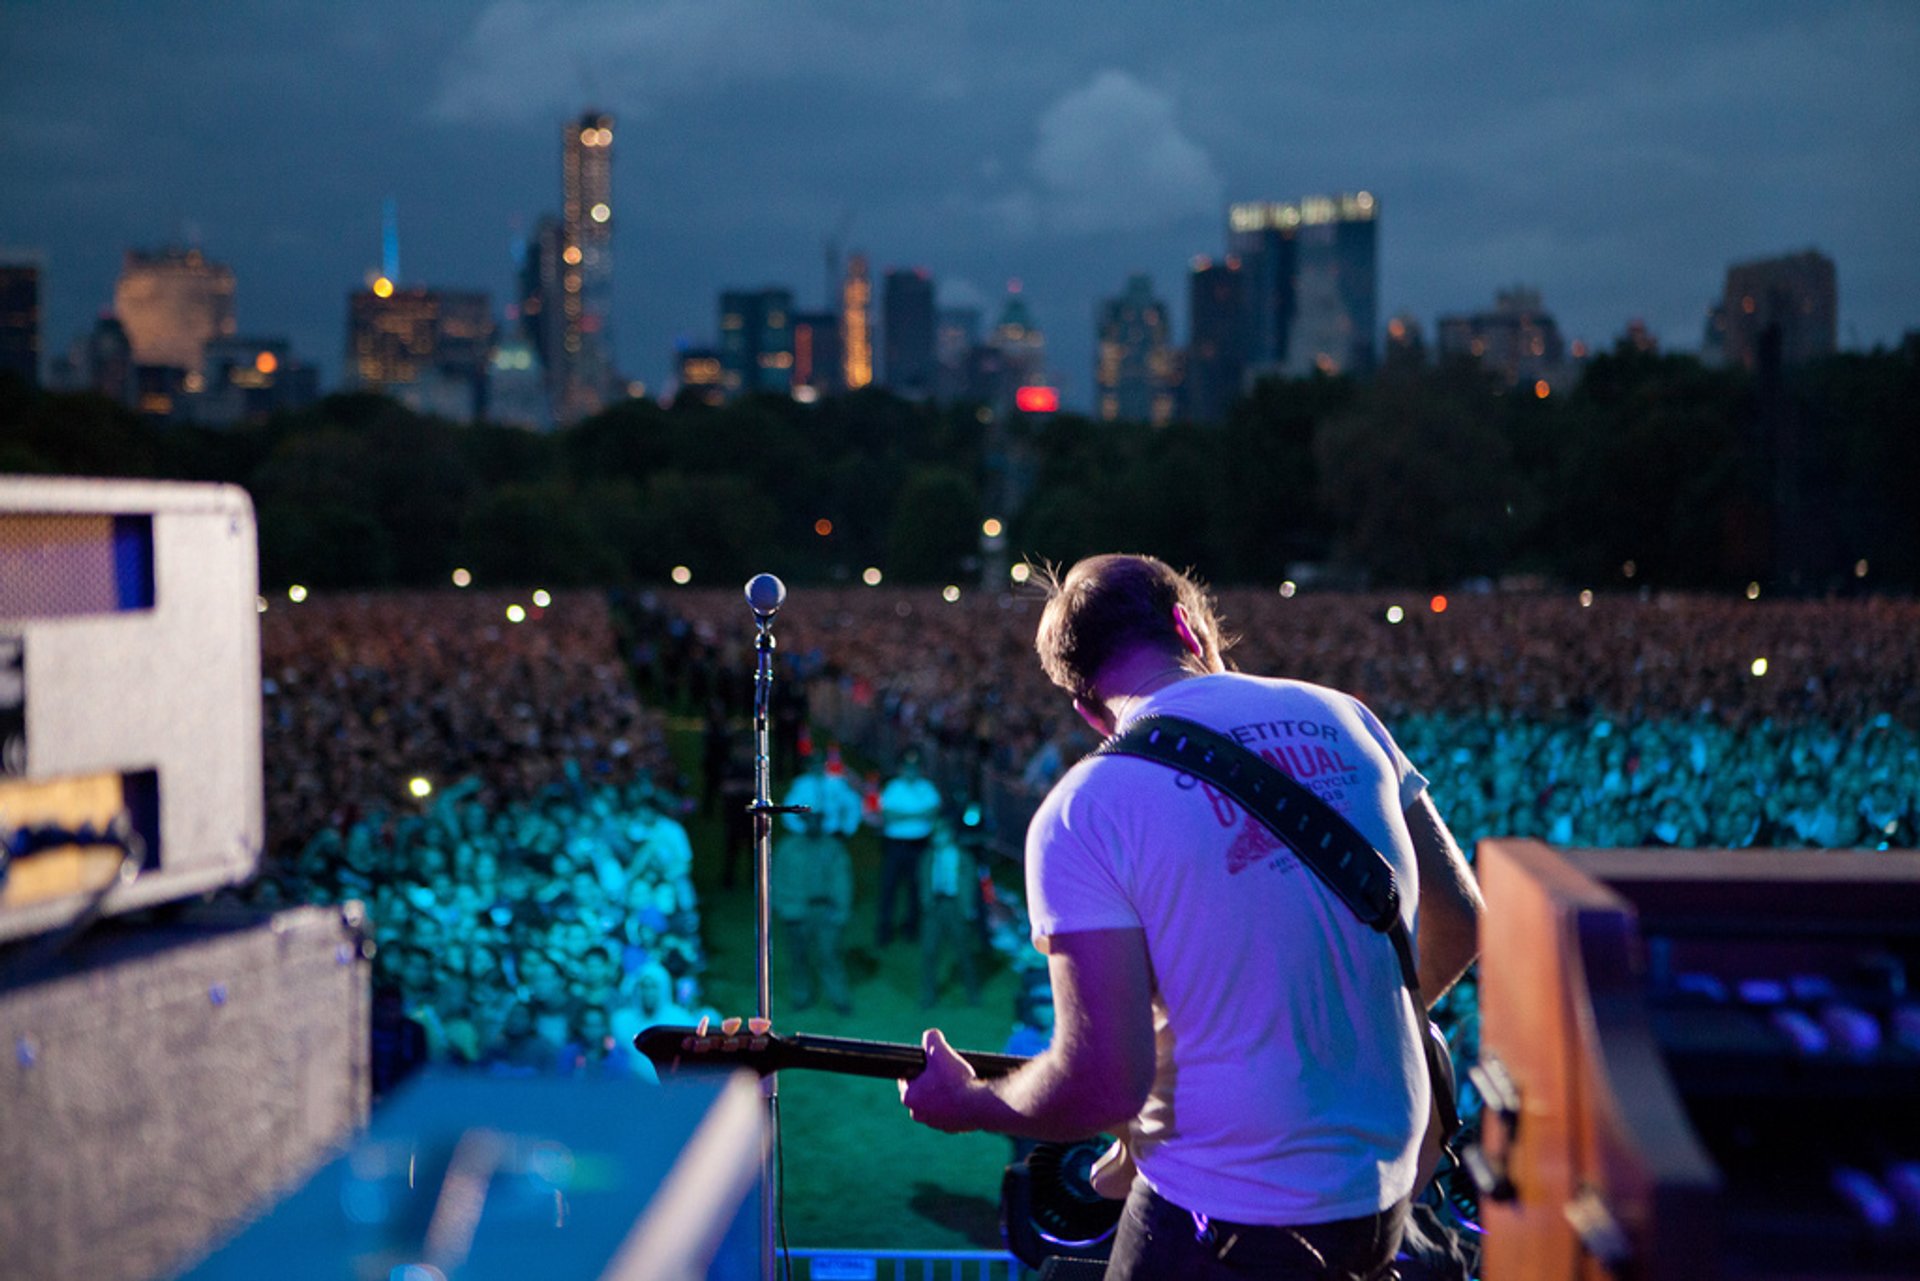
496,795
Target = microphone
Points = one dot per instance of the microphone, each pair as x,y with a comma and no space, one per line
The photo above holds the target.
765,594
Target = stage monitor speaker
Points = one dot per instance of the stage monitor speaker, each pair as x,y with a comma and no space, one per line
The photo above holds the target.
129,693
159,1083
489,1178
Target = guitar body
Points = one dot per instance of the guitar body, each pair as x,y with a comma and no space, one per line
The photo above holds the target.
1072,1188
1048,1200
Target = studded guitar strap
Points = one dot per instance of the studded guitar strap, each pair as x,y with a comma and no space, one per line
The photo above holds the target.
1319,835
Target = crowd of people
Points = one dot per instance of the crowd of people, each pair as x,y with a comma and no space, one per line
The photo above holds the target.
538,894
1584,719
490,786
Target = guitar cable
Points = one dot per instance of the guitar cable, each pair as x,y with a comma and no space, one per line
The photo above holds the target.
780,1198
20,842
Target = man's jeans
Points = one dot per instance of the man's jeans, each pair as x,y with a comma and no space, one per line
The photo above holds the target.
1159,1241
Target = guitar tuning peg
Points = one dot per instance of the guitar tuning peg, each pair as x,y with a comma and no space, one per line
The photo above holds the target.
759,1027
729,1026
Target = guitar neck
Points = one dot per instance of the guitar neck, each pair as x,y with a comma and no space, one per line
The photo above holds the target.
882,1058
671,1047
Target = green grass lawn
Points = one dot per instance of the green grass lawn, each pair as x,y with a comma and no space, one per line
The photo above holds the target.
857,1171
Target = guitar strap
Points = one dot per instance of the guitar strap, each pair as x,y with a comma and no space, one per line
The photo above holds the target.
1319,835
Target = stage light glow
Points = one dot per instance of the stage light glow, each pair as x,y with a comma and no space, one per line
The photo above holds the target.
1860,568
1629,569
1759,667
823,527
1438,604
516,613
572,255
266,362
600,213
542,597
260,604
991,527
1288,588
1395,613
681,575
1586,599
871,575
383,288
420,787
1753,591
950,593
1020,573
462,578
296,593
1542,389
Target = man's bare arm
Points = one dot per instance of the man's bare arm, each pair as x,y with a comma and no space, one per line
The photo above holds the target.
1094,1076
1450,902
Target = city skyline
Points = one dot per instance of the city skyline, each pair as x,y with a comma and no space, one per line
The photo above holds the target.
1616,163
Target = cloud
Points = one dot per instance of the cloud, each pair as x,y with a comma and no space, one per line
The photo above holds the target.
1111,157
531,61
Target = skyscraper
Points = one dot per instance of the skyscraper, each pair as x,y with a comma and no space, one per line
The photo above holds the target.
1020,350
173,303
541,308
1261,237
819,366
1217,337
702,376
907,332
856,322
1313,284
585,359
1519,340
956,334
1133,365
429,349
110,368
756,340
517,386
249,380
1785,309
20,321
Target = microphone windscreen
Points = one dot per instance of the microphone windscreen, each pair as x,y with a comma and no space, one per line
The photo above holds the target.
765,594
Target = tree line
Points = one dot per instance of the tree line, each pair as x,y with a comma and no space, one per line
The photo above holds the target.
1651,470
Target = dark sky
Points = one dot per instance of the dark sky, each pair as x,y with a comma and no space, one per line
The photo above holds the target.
1618,160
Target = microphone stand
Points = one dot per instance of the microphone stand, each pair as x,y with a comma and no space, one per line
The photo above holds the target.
764,595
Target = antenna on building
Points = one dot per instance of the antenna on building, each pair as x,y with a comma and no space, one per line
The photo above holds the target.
834,240
389,240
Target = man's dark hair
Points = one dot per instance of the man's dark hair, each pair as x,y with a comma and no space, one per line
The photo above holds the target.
1108,604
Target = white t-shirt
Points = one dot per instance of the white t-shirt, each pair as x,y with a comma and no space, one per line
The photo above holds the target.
829,796
908,807
1289,1085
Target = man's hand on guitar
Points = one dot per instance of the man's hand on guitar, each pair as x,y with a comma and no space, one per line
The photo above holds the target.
942,1095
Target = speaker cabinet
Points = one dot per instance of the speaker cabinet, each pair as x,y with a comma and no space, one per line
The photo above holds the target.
129,684
161,1082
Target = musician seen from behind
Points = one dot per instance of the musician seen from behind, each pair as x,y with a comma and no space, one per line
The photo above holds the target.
1253,1043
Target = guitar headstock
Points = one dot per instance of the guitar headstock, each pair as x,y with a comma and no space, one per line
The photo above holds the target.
735,1043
